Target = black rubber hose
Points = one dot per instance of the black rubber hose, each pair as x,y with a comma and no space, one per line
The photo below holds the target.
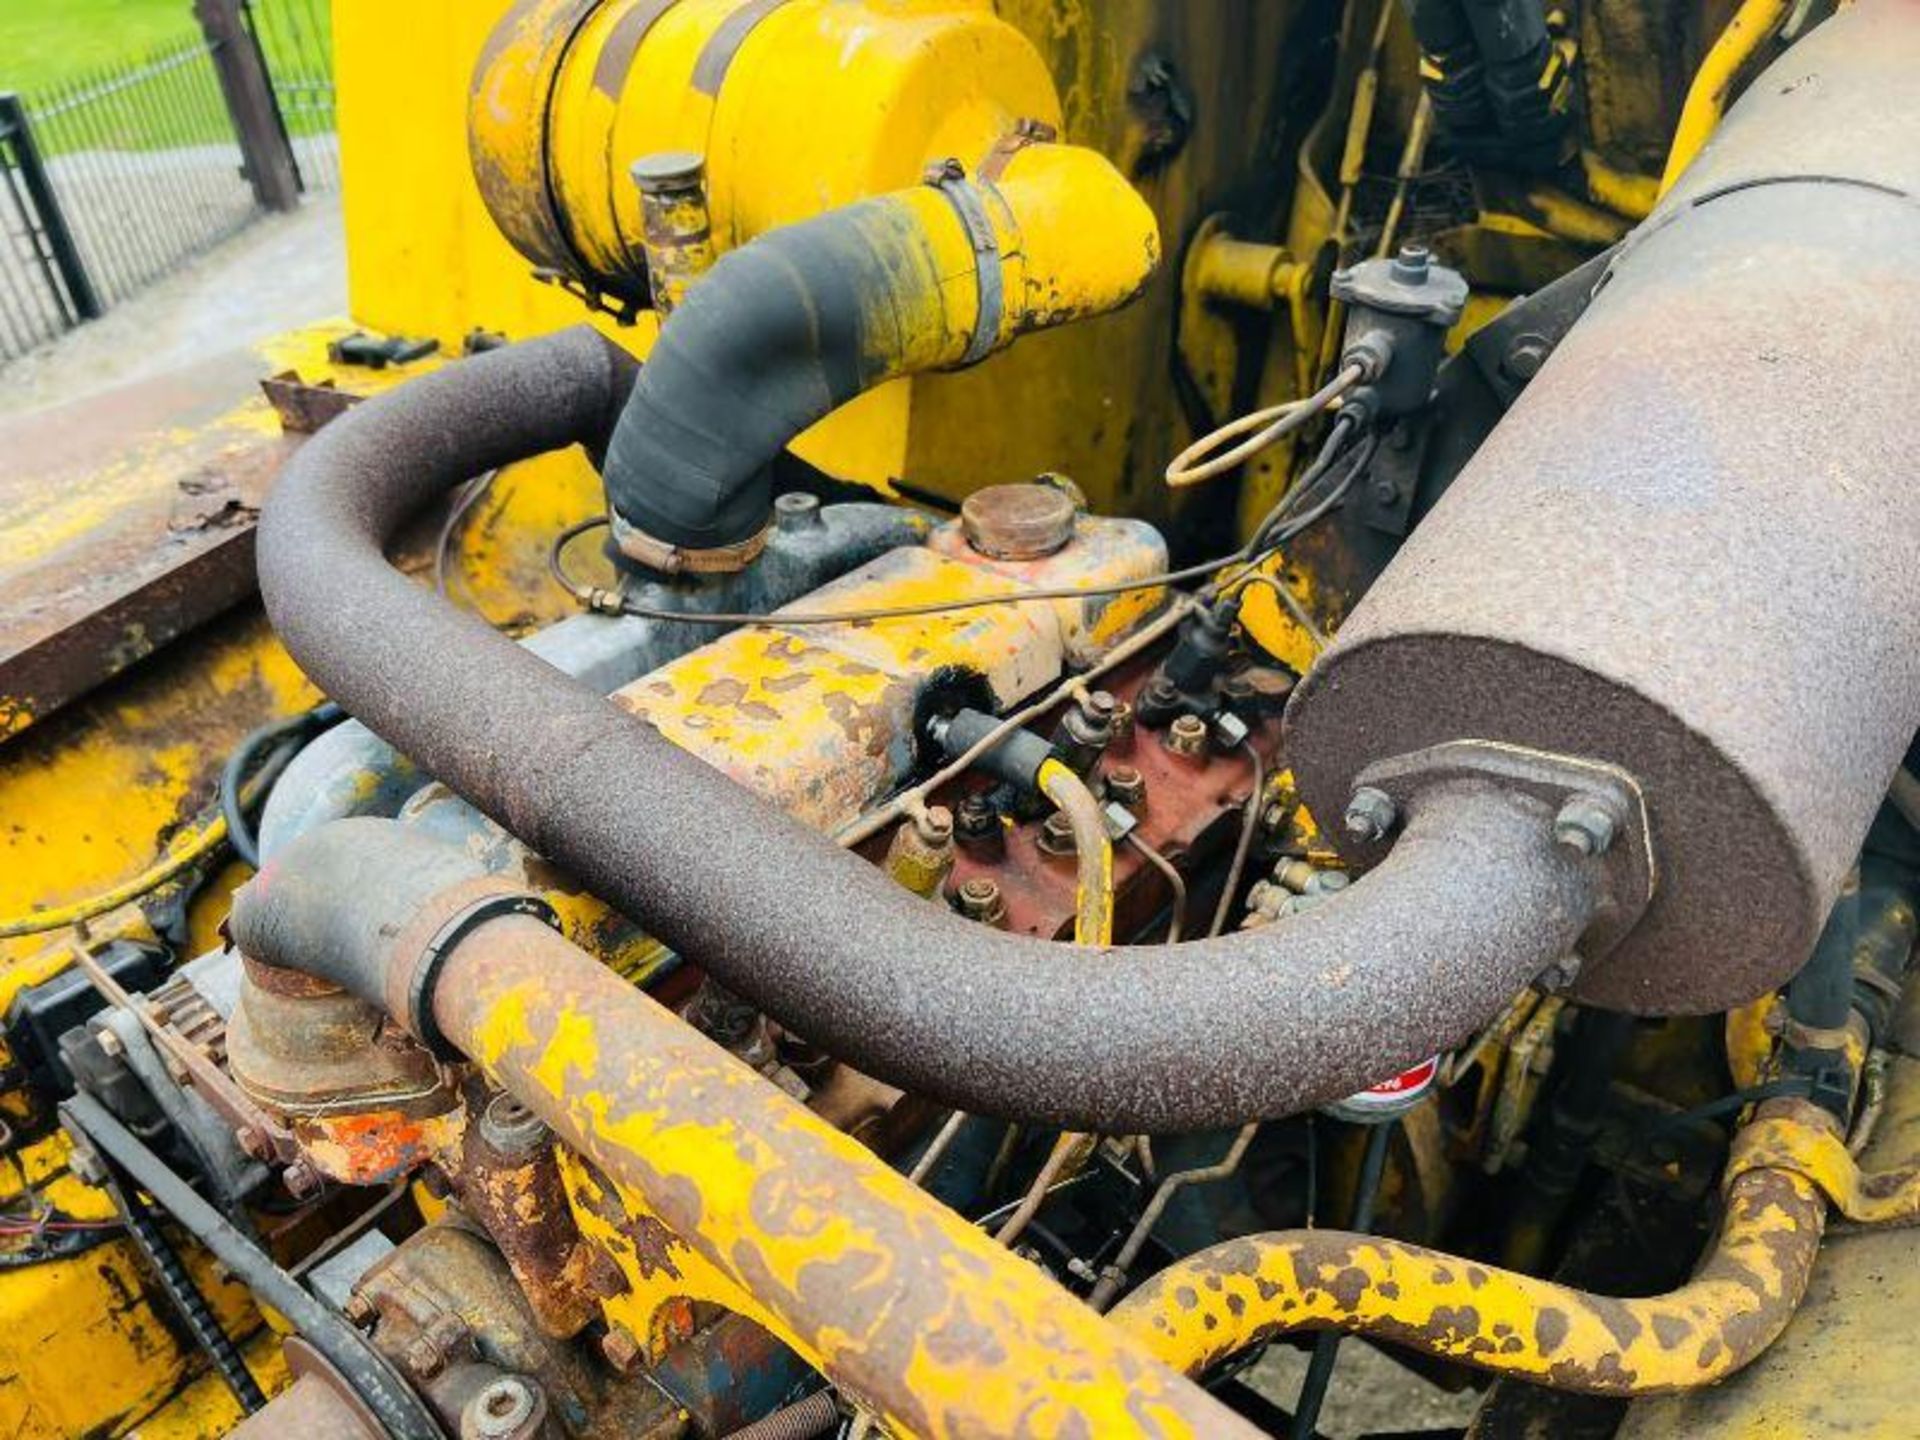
1473,902
285,738
395,1405
781,332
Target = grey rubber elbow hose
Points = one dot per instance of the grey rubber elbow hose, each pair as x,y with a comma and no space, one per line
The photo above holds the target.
808,316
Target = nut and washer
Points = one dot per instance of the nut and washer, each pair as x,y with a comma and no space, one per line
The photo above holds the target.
1127,785
1371,815
1587,825
1187,735
980,899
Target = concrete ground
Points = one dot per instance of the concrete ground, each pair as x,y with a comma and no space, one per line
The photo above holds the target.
1370,1394
280,272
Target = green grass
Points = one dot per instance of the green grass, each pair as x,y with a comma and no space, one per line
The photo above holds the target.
53,48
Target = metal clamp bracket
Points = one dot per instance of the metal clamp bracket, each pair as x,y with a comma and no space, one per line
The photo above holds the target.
1554,780
950,179
439,949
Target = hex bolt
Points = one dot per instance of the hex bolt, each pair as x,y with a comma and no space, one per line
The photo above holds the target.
425,1358
1056,835
980,899
500,1410
1122,722
1586,824
1525,355
621,1350
253,1142
1187,735
1127,785
977,825
110,1043
303,1182
1371,815
934,824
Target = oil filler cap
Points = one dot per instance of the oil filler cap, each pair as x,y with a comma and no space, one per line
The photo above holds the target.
1019,522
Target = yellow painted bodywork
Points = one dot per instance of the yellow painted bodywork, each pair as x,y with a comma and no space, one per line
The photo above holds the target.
746,1190
1752,26
95,793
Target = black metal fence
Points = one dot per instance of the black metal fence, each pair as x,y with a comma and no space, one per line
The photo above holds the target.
296,36
111,180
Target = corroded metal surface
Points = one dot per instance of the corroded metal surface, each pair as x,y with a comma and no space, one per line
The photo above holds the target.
901,1302
1129,1040
124,523
1688,549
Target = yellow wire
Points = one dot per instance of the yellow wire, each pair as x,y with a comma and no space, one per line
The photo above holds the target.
200,843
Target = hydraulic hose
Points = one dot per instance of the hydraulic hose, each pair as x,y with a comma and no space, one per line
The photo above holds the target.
1224,1300
1473,902
917,1314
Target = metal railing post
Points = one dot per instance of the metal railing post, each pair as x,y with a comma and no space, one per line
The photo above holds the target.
266,153
17,132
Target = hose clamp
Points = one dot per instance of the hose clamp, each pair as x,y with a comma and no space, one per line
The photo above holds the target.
439,949
670,559
949,177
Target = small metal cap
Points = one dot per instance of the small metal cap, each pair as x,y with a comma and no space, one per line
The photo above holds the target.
1586,824
796,510
1371,814
1017,522
502,1409
1056,835
510,1129
1410,266
668,172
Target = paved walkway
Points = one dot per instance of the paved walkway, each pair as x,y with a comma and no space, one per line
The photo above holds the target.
278,273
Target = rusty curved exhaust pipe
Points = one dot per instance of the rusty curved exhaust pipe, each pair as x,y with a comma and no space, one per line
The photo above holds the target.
1475,901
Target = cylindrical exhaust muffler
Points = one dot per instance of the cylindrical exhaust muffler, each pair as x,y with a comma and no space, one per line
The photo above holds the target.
1692,549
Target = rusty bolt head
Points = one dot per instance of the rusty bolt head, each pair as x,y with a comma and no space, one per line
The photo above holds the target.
1371,815
1127,785
303,1182
253,1142
360,1311
1586,825
110,1043
1187,735
1099,705
1122,723
500,1410
1056,834
620,1349
980,899
425,1359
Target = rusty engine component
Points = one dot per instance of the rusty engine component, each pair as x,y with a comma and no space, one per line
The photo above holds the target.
848,960
1657,473
956,976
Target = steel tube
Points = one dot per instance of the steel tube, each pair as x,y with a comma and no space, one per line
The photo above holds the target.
1474,902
